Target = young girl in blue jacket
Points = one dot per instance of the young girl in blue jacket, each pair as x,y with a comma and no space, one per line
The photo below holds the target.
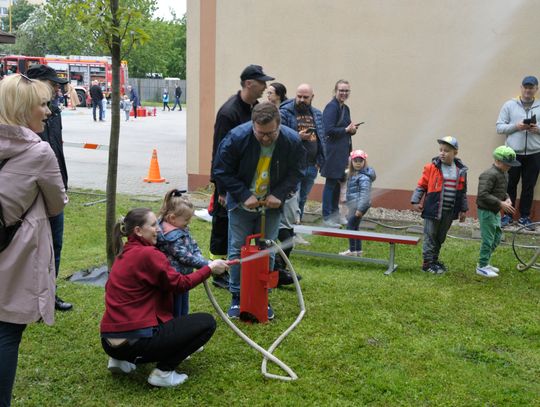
359,179
175,241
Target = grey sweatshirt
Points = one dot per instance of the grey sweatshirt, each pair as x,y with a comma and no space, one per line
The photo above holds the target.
522,142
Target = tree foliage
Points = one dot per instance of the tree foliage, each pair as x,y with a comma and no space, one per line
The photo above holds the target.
163,52
20,11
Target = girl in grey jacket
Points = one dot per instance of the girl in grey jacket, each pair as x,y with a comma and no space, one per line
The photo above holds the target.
359,180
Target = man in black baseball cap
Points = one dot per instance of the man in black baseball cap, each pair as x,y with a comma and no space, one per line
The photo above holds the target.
255,72
52,134
44,72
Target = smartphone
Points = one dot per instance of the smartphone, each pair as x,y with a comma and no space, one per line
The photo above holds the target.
358,124
311,130
532,120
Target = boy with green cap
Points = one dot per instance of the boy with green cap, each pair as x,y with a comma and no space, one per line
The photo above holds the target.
491,198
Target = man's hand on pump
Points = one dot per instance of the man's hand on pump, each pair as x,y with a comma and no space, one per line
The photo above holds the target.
252,202
271,202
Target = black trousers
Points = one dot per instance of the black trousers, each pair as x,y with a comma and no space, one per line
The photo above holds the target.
220,229
528,172
171,344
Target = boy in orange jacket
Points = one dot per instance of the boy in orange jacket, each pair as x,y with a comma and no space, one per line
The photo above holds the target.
443,187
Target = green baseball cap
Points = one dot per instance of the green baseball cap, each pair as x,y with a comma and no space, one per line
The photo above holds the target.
506,155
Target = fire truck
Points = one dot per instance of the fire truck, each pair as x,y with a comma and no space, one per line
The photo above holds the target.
80,71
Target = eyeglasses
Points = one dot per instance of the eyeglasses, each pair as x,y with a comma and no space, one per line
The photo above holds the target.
270,134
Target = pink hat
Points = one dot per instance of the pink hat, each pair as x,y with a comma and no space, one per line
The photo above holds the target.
358,154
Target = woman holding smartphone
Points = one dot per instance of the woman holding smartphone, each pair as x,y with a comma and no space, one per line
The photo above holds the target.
338,132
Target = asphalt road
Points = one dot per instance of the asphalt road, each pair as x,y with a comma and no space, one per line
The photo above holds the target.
166,132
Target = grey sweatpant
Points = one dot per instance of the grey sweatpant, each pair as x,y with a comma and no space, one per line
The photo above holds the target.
434,236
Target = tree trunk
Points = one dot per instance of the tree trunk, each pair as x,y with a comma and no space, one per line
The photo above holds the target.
114,136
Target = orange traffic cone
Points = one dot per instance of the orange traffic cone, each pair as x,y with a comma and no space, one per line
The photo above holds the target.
153,172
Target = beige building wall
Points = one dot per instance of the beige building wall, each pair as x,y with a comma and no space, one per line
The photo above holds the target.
419,70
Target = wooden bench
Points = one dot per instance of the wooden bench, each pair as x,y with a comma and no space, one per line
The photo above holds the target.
392,240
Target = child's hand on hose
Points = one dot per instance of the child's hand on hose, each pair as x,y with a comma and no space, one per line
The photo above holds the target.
218,266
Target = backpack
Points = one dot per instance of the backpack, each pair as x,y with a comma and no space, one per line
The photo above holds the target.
8,232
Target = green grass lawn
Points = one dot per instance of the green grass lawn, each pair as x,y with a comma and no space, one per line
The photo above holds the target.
367,339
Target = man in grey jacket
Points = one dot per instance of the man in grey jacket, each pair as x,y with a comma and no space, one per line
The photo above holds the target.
518,122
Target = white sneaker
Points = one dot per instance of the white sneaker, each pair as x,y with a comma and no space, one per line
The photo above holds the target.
485,272
348,253
343,220
300,240
331,224
120,366
160,378
493,268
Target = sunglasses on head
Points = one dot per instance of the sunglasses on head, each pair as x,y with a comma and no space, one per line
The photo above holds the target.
178,193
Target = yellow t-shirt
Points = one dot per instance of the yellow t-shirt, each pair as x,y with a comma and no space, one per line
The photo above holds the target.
261,179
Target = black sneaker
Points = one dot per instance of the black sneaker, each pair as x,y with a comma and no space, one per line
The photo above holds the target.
221,281
432,268
271,314
441,265
526,221
506,220
285,277
61,305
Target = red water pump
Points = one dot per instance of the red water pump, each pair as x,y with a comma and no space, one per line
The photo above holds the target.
256,278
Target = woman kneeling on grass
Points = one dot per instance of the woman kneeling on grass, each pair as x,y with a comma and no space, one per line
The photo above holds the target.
138,324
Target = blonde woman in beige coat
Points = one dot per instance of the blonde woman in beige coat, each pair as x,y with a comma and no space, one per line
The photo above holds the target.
30,182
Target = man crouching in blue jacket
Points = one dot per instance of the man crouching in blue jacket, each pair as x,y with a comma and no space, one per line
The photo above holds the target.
258,164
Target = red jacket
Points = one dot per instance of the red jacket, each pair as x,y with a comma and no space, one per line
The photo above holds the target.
430,186
139,291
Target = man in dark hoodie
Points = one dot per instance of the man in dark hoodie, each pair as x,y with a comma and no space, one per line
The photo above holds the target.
52,134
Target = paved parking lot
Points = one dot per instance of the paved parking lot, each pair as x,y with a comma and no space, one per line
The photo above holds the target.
88,168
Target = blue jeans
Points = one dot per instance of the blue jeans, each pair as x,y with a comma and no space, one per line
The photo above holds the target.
181,304
243,223
177,103
330,198
57,229
10,338
103,109
97,104
304,187
353,223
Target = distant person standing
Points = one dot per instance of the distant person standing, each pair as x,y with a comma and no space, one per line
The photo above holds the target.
52,134
338,129
97,96
103,107
125,105
134,98
165,99
518,122
177,96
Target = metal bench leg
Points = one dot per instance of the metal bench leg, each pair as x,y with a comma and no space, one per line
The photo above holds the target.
391,266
